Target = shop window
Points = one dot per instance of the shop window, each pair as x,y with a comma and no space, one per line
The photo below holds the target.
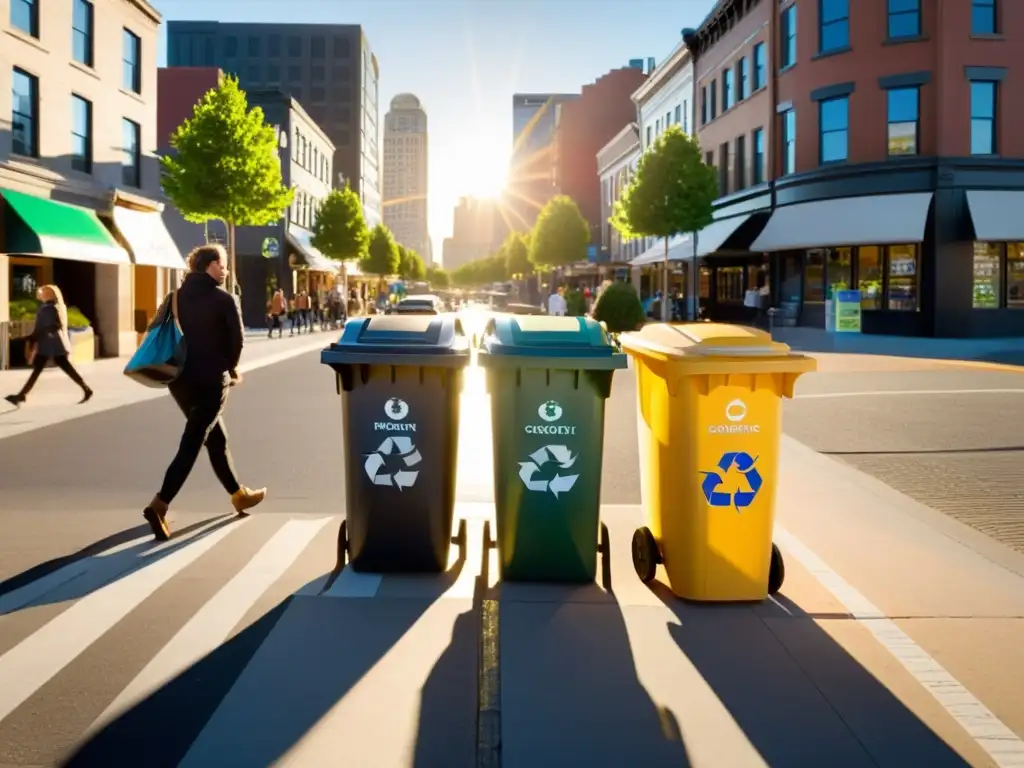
1015,275
983,17
903,117
904,19
729,285
787,37
760,67
814,276
983,117
839,270
834,123
705,283
902,289
834,21
870,276
988,258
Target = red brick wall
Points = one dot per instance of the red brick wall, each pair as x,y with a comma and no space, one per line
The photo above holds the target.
177,91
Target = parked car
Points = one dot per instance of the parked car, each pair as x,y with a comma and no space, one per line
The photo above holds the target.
424,304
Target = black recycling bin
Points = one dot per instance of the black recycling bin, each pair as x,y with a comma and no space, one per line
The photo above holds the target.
399,377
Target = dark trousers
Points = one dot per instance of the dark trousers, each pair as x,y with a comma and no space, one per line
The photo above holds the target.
62,362
202,402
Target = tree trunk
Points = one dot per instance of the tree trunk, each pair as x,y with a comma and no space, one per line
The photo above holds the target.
666,307
344,286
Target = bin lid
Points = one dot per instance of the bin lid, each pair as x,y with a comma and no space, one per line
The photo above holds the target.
408,339
568,341
704,340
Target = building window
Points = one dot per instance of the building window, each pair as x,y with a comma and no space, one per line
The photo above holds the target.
760,67
988,277
904,18
903,106
230,47
255,47
834,124
131,160
131,78
901,291
713,100
273,73
704,105
648,137
294,46
318,47
741,163
744,70
686,116
679,114
834,21
757,147
81,32
25,16
983,17
294,73
274,46
788,139
341,47
81,134
787,37
25,114
983,117
727,90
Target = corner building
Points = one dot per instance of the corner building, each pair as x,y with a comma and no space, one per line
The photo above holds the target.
891,161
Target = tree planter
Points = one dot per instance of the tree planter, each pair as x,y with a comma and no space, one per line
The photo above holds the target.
83,345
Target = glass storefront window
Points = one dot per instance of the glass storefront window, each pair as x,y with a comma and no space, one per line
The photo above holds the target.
729,285
840,270
869,271
814,277
988,259
24,281
1015,275
903,277
705,283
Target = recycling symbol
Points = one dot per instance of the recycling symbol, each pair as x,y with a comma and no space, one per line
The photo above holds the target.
400,448
740,499
559,483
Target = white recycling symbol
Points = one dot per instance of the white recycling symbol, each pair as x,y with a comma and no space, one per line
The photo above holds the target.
559,483
394,446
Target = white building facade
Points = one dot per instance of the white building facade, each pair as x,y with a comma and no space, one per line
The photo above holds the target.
406,174
616,166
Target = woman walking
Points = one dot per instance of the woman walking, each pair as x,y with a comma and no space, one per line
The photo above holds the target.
50,341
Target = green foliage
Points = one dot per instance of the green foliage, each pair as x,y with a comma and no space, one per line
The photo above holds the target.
672,193
76,319
382,255
340,231
410,264
23,310
481,272
619,308
561,235
575,304
225,165
438,278
516,251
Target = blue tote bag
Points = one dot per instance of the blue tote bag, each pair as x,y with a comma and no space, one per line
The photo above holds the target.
158,360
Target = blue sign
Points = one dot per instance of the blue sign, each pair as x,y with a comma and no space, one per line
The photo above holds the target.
740,499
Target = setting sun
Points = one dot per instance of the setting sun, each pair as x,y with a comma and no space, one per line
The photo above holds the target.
483,171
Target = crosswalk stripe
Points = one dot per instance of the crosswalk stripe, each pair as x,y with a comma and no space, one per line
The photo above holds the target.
38,658
212,624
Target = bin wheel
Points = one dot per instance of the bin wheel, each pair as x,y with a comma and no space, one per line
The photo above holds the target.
605,548
343,544
461,537
776,571
645,554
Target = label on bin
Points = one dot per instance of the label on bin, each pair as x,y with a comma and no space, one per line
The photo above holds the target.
395,461
735,412
396,409
549,412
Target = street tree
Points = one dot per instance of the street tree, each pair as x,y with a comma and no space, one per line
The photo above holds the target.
517,255
225,165
672,193
339,231
438,278
382,254
410,264
561,235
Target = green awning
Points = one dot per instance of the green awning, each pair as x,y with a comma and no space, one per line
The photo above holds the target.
41,227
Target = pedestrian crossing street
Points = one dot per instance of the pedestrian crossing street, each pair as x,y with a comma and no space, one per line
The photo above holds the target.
120,638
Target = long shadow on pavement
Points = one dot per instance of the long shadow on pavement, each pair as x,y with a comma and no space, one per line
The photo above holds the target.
254,698
570,694
797,694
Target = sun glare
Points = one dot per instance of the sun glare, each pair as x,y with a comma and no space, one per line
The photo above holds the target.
483,171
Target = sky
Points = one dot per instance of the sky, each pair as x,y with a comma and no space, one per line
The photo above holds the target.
465,58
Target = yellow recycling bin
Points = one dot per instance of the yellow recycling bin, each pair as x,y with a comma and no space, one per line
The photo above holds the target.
709,423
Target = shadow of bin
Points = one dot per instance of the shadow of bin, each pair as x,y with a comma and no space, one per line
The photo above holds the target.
399,377
549,379
709,398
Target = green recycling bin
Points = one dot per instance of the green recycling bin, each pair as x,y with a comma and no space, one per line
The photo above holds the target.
548,378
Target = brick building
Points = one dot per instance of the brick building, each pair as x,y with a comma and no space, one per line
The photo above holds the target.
890,161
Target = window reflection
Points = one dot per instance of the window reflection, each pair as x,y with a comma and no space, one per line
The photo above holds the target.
1015,275
840,270
903,277
869,270
987,277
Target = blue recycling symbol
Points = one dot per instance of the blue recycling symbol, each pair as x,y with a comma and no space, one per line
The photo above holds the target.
740,499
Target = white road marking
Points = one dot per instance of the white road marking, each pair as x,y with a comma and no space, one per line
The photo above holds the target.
916,392
38,658
212,624
1004,746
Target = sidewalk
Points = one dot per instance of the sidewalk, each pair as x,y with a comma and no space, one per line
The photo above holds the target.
55,398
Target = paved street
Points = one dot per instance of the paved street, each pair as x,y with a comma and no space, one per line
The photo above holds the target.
897,639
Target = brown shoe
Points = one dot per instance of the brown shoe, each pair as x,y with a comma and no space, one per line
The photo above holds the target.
245,499
156,516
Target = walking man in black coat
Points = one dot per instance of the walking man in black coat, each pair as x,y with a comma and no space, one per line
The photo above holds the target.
211,324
